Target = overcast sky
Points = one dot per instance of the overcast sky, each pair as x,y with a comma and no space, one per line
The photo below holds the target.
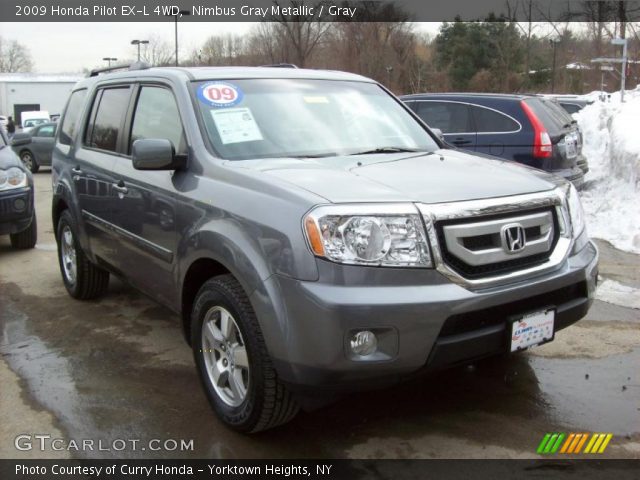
70,47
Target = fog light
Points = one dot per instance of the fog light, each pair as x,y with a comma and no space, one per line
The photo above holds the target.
364,343
19,204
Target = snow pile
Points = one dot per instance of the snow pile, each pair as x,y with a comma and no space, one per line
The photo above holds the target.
611,197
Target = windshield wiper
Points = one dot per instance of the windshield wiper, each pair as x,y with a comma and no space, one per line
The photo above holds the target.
317,155
388,150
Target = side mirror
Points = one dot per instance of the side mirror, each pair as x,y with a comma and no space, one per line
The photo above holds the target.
155,154
438,133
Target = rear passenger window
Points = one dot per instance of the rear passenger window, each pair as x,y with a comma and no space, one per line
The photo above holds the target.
448,117
157,116
490,121
72,117
107,116
571,107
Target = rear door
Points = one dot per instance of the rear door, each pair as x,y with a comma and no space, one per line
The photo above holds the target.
497,132
93,165
452,118
145,209
42,143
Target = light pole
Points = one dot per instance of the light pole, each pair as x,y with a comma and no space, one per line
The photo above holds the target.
554,42
138,43
181,13
623,68
109,60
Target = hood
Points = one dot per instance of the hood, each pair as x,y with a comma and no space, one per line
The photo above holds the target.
8,158
442,176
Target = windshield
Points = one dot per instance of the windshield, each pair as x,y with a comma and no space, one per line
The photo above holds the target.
265,118
34,122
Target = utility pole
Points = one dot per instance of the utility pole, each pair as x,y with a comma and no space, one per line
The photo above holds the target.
554,43
623,65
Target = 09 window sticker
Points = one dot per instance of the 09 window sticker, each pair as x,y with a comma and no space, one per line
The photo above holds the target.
220,94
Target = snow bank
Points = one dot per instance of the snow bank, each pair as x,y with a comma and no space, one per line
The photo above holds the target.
611,197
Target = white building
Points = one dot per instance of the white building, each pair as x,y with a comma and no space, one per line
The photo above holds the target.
23,92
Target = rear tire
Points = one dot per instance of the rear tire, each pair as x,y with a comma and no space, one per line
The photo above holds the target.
27,238
82,279
259,400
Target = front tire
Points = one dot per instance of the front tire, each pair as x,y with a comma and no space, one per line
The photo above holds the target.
82,279
27,238
235,369
29,161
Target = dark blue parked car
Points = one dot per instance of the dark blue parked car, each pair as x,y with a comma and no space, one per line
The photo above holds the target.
528,129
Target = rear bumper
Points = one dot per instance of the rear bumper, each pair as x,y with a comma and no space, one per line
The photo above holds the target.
574,175
423,321
16,210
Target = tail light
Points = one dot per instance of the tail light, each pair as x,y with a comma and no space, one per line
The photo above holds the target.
542,146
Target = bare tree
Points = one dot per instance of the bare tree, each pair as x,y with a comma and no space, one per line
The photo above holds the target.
225,49
14,57
302,35
158,52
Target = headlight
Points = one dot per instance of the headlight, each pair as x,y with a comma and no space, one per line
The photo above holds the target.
576,214
388,235
12,178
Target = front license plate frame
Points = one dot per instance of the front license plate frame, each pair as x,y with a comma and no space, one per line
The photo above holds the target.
532,329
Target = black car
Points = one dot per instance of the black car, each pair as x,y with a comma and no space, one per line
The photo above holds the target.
17,212
34,146
528,129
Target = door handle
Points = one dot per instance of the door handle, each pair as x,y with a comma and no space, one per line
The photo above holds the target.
120,188
461,141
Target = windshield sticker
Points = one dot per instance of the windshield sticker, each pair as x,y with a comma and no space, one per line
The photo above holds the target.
220,94
308,99
236,125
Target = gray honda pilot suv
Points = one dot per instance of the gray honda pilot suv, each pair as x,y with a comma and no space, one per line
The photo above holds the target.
313,233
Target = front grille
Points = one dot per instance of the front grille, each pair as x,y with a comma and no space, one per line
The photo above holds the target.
470,321
488,245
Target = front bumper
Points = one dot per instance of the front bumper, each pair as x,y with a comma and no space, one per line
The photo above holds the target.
424,321
16,210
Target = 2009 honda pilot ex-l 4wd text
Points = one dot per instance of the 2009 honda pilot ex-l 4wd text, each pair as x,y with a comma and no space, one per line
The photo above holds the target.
311,231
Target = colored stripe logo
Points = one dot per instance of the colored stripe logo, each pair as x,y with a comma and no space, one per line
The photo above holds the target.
573,443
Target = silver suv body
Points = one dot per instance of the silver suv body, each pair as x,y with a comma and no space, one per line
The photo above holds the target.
310,229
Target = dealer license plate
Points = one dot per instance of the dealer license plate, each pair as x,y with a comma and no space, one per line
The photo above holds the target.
532,329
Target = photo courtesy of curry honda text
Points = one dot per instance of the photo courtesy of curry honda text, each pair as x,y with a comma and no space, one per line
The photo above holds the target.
313,233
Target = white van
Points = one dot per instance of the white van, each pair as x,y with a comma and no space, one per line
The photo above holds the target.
33,119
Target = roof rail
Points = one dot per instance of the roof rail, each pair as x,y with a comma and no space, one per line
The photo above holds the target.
134,66
281,65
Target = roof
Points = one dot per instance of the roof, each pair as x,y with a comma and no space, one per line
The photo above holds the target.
39,78
228,73
512,96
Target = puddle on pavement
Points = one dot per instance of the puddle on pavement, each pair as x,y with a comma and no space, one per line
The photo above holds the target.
76,362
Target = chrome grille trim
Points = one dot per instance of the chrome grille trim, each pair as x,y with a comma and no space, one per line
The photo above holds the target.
474,210
455,234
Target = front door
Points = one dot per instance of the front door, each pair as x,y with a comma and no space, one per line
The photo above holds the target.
144,211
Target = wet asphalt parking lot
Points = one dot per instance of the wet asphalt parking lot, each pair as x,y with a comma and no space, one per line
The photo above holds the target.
118,368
